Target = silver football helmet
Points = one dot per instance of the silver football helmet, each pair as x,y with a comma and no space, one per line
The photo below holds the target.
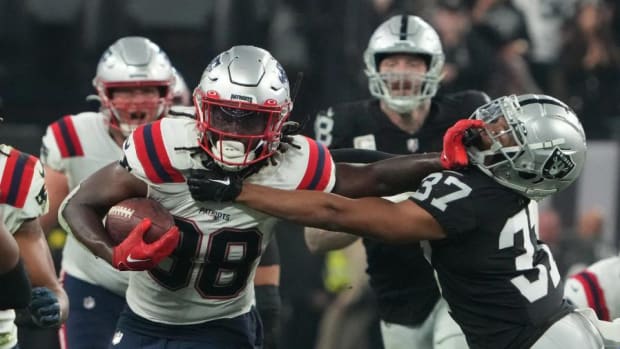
181,94
405,35
134,62
242,102
546,150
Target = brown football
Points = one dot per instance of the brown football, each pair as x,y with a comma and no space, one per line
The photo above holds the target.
125,215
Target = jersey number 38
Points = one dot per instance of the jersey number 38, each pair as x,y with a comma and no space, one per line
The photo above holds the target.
223,271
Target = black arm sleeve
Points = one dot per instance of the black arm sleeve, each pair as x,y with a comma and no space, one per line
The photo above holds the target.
271,255
268,304
15,289
359,156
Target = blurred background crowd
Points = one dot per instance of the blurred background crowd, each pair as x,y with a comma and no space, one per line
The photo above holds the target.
566,48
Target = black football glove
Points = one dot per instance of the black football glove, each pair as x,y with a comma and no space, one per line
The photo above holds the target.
44,307
205,185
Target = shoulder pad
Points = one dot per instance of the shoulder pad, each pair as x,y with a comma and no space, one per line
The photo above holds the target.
19,172
320,169
148,152
308,167
66,137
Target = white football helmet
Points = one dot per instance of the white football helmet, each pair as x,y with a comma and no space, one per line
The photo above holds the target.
242,102
404,35
181,94
134,62
549,148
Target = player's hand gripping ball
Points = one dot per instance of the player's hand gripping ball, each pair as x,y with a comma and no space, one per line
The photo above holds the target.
123,217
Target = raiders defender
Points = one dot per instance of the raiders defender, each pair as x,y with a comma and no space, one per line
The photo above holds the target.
500,282
404,60
200,296
23,199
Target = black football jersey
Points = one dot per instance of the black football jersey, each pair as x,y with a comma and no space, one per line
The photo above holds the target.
501,283
399,275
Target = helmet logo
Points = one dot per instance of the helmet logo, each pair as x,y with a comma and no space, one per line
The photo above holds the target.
105,56
281,74
557,165
214,63
241,98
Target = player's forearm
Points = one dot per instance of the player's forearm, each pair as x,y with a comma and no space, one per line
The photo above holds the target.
85,224
404,173
310,208
9,252
320,240
387,177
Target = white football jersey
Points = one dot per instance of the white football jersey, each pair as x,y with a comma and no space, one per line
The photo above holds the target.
22,197
209,276
79,145
597,287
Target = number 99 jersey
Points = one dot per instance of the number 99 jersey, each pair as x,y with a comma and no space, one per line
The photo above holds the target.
209,276
501,283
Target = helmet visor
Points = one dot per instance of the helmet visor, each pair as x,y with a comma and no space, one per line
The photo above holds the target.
235,121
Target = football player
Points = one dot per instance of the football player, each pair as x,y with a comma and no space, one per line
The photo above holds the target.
12,273
404,62
201,294
267,278
500,282
134,83
23,199
597,287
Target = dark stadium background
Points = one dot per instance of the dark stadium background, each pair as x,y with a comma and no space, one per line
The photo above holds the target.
566,48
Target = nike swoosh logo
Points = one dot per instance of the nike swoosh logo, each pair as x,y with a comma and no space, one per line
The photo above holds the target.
134,260
221,181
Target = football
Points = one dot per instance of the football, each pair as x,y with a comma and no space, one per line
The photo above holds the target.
125,215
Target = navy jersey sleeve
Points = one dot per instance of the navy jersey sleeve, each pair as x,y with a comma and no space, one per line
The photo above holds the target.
448,198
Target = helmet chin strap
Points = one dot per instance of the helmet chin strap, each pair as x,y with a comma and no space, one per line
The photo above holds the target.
231,151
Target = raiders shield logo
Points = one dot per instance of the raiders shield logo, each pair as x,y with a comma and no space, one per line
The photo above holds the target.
557,165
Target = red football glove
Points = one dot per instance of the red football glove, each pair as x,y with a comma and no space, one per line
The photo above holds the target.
454,154
135,254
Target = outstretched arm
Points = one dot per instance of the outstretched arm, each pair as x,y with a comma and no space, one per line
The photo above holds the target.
403,173
367,217
387,177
